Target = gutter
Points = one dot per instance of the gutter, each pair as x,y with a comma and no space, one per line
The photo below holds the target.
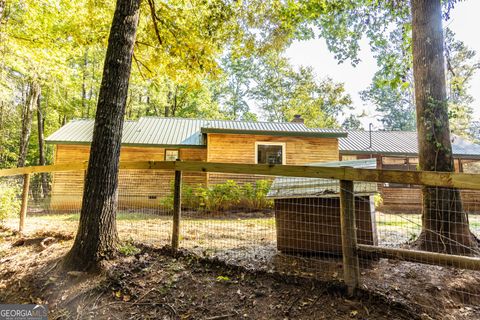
277,133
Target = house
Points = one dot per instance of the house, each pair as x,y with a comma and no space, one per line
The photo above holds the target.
398,150
292,143
158,139
307,211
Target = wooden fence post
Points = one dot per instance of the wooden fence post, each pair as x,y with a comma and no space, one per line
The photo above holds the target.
351,271
23,210
177,209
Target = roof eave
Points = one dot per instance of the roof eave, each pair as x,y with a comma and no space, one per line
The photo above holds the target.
401,154
145,145
277,133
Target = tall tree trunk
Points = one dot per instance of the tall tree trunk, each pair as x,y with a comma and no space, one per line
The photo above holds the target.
97,237
27,115
444,223
41,146
2,135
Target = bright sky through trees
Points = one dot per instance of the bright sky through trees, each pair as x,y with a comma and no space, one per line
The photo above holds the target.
464,22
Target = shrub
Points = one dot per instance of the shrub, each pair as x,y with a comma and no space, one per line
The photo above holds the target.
223,197
191,197
255,197
9,201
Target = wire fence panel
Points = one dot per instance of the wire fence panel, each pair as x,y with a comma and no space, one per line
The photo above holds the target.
290,225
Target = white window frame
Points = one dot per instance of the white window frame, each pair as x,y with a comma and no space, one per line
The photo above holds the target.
165,154
282,144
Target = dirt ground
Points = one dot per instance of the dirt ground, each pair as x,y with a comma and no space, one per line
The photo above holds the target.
203,285
151,284
212,232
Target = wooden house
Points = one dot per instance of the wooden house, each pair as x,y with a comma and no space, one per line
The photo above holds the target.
307,212
159,139
398,150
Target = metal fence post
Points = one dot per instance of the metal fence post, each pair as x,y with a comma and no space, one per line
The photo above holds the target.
177,209
23,210
351,270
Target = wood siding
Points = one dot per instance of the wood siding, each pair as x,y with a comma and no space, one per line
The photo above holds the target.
137,188
409,200
232,148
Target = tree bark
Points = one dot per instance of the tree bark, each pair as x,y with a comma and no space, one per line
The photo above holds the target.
27,115
97,237
444,223
41,147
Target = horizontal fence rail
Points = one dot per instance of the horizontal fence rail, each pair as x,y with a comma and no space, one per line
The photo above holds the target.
448,260
427,178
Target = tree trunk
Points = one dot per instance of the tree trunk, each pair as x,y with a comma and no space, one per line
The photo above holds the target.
444,223
97,237
41,147
27,115
84,84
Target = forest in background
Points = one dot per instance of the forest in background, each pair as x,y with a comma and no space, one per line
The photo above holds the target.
203,59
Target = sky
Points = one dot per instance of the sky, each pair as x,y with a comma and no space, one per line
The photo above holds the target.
464,22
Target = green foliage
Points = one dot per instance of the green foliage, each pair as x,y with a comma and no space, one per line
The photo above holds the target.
281,92
223,279
176,70
462,65
223,197
9,200
392,90
377,200
128,249
254,196
352,122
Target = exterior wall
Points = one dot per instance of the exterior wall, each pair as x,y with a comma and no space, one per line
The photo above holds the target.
137,188
232,148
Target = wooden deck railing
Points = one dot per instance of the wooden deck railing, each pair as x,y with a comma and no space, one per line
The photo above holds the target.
345,175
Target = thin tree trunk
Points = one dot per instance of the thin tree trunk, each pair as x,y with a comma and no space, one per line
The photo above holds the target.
3,134
41,146
84,84
97,237
27,115
91,91
444,223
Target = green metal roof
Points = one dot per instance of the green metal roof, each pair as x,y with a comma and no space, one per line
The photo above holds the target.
180,132
401,143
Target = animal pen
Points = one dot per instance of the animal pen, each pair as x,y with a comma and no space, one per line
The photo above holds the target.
244,222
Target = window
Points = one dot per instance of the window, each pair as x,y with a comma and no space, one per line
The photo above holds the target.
171,155
400,163
270,153
348,157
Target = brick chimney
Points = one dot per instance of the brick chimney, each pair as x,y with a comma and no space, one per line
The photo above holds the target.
298,119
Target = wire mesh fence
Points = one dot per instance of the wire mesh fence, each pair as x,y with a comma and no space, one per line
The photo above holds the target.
282,224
